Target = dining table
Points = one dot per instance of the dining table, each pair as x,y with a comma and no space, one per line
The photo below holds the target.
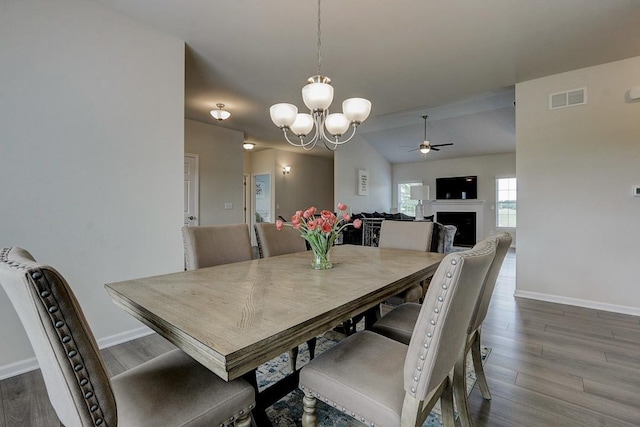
234,317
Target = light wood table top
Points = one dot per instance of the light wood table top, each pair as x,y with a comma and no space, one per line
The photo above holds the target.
234,317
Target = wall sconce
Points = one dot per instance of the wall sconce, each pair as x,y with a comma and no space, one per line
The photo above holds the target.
286,170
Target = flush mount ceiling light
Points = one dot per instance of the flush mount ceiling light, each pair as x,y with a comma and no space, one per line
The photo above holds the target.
220,114
317,95
248,145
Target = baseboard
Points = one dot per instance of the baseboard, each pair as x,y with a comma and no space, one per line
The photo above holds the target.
633,311
31,364
116,339
17,368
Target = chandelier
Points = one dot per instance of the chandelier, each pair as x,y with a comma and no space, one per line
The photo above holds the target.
317,95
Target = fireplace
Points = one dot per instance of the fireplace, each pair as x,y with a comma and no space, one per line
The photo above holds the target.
465,223
474,206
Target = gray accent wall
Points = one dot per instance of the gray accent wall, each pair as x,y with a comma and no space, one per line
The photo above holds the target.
219,152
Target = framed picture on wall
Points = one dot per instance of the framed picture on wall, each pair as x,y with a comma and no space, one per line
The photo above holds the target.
363,182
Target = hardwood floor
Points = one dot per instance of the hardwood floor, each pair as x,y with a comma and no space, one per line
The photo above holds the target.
550,365
557,365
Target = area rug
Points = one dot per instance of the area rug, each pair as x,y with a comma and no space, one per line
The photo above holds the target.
287,412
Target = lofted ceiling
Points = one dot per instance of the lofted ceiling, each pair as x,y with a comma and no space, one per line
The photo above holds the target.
457,61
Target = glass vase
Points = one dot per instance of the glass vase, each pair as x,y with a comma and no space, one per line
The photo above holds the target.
321,260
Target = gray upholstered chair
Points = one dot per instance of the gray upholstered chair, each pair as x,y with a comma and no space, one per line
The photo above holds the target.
170,390
206,246
399,323
413,235
274,242
383,382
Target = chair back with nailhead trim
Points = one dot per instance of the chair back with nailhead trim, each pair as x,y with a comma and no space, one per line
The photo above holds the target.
441,329
503,243
76,378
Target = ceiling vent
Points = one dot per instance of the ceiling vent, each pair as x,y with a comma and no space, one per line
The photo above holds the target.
568,98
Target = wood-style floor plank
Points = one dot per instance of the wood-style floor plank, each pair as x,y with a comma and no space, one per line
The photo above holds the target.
2,423
550,365
26,403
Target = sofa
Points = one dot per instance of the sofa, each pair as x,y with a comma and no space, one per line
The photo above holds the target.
369,233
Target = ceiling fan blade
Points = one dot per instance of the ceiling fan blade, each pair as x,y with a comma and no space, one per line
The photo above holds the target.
433,148
442,145
415,149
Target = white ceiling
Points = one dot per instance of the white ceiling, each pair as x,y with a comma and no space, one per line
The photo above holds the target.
456,60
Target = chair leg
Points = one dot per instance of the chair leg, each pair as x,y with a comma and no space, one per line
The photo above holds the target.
476,354
311,344
293,356
446,404
460,390
309,403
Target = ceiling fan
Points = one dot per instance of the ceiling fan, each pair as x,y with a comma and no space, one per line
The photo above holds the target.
425,147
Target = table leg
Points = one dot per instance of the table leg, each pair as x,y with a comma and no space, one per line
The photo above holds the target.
371,316
270,395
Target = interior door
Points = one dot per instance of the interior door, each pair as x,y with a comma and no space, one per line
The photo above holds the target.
262,197
261,210
191,194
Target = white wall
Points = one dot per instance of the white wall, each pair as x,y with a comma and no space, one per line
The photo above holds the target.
578,223
91,154
486,168
351,157
220,160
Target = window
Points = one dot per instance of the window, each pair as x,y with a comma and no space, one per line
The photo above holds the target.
506,196
405,204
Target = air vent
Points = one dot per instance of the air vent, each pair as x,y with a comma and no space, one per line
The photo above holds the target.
568,98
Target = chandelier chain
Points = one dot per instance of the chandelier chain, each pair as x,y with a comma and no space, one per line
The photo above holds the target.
318,95
319,40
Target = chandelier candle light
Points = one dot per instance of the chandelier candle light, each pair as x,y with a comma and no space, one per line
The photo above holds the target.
317,95
320,231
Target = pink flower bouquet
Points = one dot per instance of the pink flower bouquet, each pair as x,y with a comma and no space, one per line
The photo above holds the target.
321,231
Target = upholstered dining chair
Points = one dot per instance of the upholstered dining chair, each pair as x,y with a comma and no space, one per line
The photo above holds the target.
274,242
382,382
413,235
206,246
399,324
170,390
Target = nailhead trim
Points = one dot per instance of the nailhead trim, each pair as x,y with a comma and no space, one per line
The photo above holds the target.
65,336
230,421
444,291
4,257
49,302
68,343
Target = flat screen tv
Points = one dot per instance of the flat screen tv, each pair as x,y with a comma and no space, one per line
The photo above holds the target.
457,188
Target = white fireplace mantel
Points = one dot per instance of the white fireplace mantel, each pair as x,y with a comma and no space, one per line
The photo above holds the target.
467,205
